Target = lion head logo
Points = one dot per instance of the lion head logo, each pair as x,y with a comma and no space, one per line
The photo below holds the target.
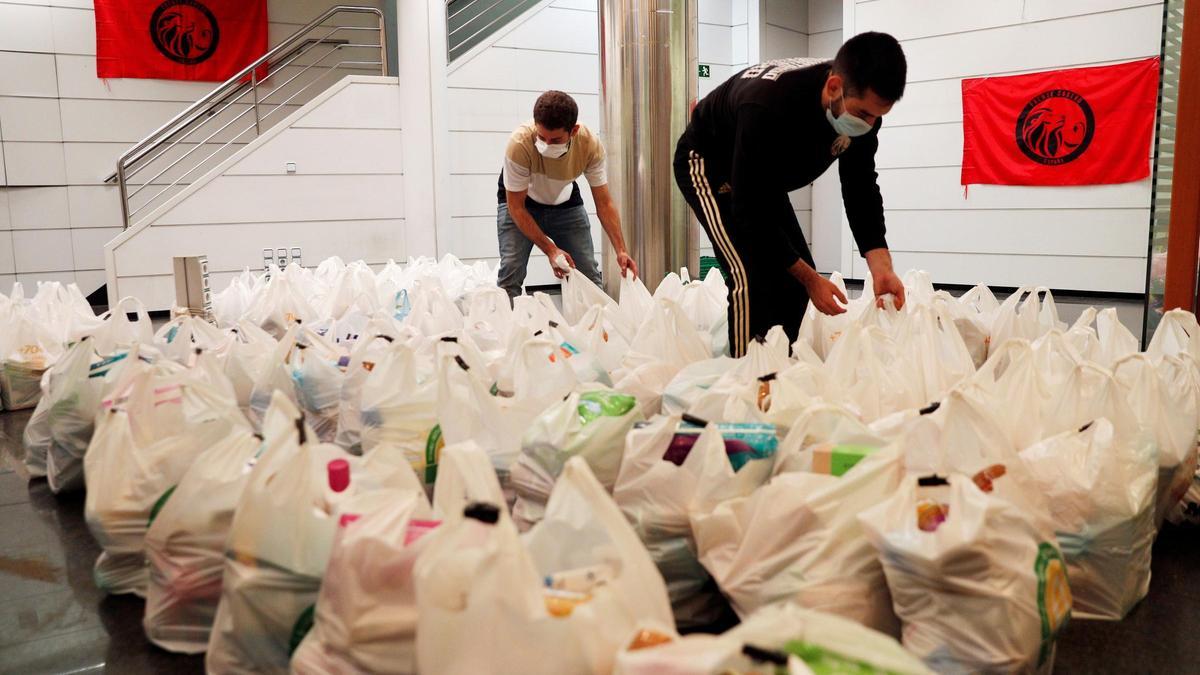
1055,127
185,31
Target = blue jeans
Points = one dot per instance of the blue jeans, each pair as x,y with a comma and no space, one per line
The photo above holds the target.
569,228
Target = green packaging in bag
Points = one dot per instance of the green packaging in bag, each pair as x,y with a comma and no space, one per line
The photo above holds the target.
596,404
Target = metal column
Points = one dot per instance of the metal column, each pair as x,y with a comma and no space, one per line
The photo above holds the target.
648,71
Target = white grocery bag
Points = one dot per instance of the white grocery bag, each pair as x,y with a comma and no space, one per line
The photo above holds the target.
364,357
690,383
366,613
29,347
748,378
468,410
591,424
634,301
273,572
484,605
61,394
973,314
1101,491
1105,344
659,497
1025,314
822,331
862,373
1169,410
821,427
158,419
706,303
983,592
36,436
230,304
365,618
798,538
781,636
399,408
185,543
1014,382
78,383
250,354
305,365
597,335
179,339
665,344
285,300
579,295
434,311
1177,333
931,352
466,476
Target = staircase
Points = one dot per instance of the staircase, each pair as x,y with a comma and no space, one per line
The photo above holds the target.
470,22
345,40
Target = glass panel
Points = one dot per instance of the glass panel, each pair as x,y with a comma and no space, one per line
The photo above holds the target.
1164,160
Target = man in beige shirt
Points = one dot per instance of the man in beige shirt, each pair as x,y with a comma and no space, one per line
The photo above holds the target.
540,203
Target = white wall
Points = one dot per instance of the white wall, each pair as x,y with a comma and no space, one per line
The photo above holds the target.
62,128
1082,238
727,41
489,92
827,229
783,33
346,198
735,33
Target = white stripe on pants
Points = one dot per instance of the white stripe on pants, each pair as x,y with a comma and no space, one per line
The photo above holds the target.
739,298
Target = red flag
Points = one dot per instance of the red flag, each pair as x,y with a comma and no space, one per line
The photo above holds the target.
1083,126
179,39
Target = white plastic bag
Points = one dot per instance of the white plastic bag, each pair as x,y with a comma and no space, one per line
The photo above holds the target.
160,419
579,295
798,538
185,543
483,602
365,618
665,344
272,573
983,592
399,409
366,355
806,640
591,424
658,497
1170,411
1101,491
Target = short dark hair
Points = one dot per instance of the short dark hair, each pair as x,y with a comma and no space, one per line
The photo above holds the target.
872,61
556,110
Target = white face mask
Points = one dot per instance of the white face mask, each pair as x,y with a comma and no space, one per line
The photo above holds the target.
847,124
551,151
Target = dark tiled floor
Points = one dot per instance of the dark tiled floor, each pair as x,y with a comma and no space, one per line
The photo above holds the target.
53,620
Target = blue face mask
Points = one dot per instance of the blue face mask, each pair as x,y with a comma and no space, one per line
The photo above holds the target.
846,124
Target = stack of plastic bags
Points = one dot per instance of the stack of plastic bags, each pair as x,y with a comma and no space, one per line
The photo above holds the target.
36,332
272,572
158,419
962,474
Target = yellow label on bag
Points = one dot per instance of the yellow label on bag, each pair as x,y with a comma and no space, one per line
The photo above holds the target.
1054,595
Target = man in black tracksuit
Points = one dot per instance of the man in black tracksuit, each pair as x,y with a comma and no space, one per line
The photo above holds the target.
774,128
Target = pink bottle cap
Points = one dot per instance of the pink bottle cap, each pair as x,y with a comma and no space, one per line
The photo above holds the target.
348,518
339,475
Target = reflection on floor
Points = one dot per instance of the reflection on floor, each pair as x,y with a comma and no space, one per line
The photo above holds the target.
53,620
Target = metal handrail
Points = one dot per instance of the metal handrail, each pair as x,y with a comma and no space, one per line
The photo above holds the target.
228,93
284,61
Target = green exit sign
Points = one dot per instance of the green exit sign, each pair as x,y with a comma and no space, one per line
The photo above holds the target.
705,70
